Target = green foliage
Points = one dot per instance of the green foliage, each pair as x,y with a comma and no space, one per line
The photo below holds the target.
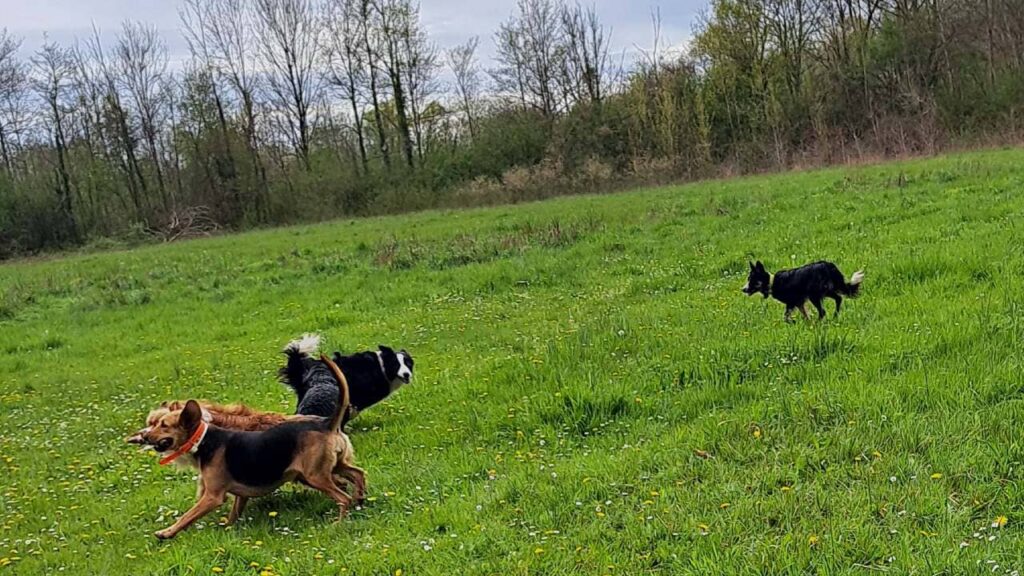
593,393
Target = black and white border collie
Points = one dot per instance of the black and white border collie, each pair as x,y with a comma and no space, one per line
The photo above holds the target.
372,376
795,287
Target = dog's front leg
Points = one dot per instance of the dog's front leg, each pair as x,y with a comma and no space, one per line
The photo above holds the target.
237,508
789,314
803,310
208,503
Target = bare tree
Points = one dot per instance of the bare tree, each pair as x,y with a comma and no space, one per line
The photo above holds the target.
114,112
530,52
221,34
348,63
585,60
462,63
397,20
421,66
14,104
289,38
372,50
142,66
53,67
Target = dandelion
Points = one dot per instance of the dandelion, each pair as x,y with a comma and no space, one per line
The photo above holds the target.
266,573
254,564
786,488
398,572
704,529
999,522
876,455
757,433
272,514
724,505
217,570
812,540
538,551
936,476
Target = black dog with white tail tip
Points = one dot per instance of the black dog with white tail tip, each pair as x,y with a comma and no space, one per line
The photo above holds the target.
795,287
372,376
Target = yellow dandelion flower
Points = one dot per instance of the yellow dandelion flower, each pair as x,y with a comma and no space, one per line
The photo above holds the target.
398,572
999,522
704,529
936,476
876,455
254,564
757,432
538,551
786,488
812,540
217,570
724,505
272,514
266,573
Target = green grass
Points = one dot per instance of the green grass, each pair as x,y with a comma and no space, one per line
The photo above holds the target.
572,357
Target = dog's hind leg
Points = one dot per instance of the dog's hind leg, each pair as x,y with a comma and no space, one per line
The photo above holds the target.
839,303
357,478
803,310
817,305
237,508
325,483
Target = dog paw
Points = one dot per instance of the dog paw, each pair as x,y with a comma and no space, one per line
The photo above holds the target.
164,534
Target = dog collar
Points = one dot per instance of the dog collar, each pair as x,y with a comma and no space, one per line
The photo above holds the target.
191,446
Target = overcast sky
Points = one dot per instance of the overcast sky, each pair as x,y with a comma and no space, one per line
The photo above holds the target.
449,22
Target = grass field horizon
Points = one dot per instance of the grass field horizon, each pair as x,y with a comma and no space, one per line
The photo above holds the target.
593,394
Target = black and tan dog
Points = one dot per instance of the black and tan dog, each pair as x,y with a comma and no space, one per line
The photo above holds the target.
312,451
795,287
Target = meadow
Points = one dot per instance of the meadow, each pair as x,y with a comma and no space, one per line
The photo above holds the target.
593,394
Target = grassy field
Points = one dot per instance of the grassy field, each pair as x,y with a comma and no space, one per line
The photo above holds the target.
593,393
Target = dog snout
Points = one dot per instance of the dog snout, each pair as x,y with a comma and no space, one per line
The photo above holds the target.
138,438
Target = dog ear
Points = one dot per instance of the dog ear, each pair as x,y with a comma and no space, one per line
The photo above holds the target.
191,415
751,264
385,349
759,266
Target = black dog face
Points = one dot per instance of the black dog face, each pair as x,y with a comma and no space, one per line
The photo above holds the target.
397,365
758,281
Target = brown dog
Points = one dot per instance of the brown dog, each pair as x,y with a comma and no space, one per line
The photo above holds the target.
310,450
231,416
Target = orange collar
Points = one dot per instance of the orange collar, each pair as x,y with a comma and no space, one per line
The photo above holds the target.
193,442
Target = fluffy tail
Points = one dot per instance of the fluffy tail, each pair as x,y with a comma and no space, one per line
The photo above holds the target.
852,288
297,352
342,393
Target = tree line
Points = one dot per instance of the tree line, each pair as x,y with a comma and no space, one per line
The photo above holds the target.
299,110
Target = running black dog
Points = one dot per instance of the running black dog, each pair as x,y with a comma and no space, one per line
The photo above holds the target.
795,287
372,376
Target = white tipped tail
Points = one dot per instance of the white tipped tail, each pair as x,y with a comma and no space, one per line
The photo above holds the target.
857,278
308,345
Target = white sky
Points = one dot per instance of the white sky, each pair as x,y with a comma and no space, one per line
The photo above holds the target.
448,22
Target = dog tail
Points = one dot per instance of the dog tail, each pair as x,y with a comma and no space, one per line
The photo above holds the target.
852,288
297,352
343,399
